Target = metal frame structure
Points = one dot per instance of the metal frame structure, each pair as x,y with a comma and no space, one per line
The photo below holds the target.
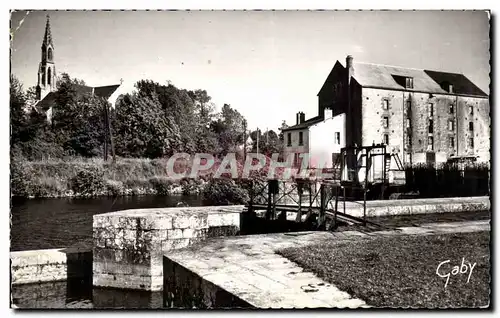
324,195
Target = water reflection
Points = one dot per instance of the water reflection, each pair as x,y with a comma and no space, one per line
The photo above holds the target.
60,223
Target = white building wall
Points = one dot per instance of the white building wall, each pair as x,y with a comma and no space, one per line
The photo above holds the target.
322,143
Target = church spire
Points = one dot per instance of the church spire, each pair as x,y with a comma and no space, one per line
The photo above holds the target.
46,69
47,39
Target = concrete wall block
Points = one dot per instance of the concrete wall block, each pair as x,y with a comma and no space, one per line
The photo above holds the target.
182,221
163,223
187,233
174,234
215,219
122,281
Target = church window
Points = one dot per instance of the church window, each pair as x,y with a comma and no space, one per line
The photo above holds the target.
49,77
50,54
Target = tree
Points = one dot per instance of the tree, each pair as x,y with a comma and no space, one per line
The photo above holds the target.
142,129
18,120
230,129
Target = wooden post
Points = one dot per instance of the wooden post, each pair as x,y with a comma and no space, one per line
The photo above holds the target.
269,198
322,200
275,193
300,189
250,203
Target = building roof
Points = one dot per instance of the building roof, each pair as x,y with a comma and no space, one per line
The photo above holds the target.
428,81
101,91
46,102
105,91
306,124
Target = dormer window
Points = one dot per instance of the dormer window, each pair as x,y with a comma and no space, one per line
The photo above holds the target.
447,86
409,82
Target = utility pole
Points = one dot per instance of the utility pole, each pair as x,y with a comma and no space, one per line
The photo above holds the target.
108,133
244,140
258,133
105,130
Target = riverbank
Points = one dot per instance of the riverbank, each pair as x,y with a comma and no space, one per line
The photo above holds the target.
80,177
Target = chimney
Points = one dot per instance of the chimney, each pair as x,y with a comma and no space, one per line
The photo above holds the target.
297,118
350,68
327,114
302,117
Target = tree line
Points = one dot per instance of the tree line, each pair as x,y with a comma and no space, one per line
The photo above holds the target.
155,121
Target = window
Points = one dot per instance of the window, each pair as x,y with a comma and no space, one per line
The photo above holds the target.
471,110
451,125
471,142
450,88
337,138
289,139
385,104
386,139
50,54
386,122
301,138
452,109
430,144
431,126
471,126
452,142
431,110
49,76
409,82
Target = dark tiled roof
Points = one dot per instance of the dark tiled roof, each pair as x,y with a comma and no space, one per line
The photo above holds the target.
461,84
386,76
306,124
47,102
82,89
105,91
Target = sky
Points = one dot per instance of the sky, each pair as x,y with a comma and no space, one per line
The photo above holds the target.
268,65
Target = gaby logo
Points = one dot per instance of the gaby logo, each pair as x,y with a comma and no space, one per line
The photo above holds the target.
462,269
284,167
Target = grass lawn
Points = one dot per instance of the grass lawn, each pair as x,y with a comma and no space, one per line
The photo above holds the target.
400,271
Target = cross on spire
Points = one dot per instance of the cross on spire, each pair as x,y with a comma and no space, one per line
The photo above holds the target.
47,39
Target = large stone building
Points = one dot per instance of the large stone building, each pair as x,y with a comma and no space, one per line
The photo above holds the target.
47,80
421,115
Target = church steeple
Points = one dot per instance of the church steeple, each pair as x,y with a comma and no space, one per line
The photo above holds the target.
47,39
46,69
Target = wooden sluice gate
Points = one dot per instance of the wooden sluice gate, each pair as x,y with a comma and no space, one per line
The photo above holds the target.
357,173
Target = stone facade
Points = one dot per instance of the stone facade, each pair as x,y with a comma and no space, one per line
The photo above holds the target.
409,132
427,121
128,245
52,265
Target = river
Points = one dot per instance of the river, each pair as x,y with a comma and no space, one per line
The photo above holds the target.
60,223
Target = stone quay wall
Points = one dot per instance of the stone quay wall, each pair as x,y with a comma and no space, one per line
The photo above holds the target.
128,246
51,265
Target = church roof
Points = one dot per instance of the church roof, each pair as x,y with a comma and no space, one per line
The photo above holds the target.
101,91
105,91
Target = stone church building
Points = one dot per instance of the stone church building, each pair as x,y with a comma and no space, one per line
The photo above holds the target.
47,80
421,115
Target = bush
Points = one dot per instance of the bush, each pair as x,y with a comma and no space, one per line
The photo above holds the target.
191,186
224,192
162,185
88,182
18,180
114,188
